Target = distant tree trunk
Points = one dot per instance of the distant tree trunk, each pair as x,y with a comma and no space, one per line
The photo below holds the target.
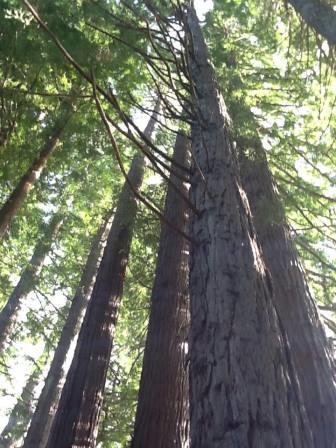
40,424
293,301
26,183
21,413
28,279
162,413
6,132
76,419
244,391
319,15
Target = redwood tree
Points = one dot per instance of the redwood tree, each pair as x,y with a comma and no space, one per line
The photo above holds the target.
77,416
296,308
244,390
39,427
27,181
162,410
28,278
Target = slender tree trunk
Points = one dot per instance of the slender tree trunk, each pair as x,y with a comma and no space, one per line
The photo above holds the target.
293,301
26,183
6,132
162,412
319,15
76,419
21,413
28,279
244,391
40,424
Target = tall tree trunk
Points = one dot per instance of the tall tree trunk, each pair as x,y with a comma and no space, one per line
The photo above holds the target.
244,391
162,412
21,413
319,15
26,183
40,424
28,279
293,301
76,419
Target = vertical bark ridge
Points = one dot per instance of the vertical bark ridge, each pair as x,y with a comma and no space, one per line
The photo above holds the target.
162,411
293,301
244,391
40,424
27,181
76,420
28,279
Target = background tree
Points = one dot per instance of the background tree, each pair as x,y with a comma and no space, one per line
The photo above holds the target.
162,410
39,428
78,412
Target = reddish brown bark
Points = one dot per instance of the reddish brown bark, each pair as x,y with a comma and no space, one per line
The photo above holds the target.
40,424
162,412
294,303
76,420
244,391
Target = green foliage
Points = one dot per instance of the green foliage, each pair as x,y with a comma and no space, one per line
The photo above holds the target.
278,84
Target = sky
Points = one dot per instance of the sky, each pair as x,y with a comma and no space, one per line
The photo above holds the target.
202,7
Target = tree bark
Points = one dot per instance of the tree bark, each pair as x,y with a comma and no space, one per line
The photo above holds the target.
26,183
28,279
162,412
40,424
244,391
293,301
21,413
319,15
76,420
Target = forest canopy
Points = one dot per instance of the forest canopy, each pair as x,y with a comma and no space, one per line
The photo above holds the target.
167,223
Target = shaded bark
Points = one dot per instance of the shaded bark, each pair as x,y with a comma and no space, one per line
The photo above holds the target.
244,391
162,412
28,279
27,181
319,15
76,419
21,413
40,424
293,301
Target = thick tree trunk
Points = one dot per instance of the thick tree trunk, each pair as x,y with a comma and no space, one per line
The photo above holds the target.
295,306
28,279
76,419
21,413
162,413
244,391
40,424
319,15
26,183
